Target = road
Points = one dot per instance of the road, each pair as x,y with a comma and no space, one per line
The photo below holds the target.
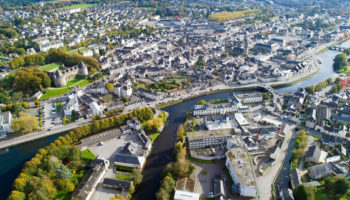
36,135
265,182
62,128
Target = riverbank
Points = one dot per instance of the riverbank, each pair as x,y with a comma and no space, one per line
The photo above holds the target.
239,88
37,135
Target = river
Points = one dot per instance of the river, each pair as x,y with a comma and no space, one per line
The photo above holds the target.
13,158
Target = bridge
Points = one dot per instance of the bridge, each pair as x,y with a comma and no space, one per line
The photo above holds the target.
335,48
275,94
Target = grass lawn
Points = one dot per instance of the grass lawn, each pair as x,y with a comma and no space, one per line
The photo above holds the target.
83,5
54,92
76,178
84,83
124,176
75,81
227,16
154,136
58,106
200,160
88,155
49,67
124,168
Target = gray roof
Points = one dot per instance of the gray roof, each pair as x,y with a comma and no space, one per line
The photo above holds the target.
124,158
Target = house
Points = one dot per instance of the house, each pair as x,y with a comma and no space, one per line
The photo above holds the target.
71,105
150,95
87,186
134,123
131,155
121,185
238,165
315,154
295,178
320,171
5,123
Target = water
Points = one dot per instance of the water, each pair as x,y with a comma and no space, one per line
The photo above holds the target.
163,147
283,177
13,159
326,71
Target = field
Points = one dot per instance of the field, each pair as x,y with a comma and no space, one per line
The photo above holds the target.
83,5
57,91
54,92
49,67
227,16
88,155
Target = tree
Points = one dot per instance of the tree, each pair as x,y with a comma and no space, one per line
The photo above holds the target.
337,184
34,59
329,80
37,102
300,193
180,132
17,62
109,87
16,195
24,123
63,172
25,105
65,184
118,197
310,89
202,102
340,62
31,79
266,96
137,176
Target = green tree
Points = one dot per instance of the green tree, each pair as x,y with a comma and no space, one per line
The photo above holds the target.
300,193
63,172
340,62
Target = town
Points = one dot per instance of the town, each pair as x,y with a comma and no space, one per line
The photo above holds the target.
259,91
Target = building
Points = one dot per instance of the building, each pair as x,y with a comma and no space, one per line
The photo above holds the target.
320,171
51,45
150,95
116,184
71,105
205,139
315,154
5,123
61,77
251,98
131,155
216,122
184,189
239,167
232,106
88,184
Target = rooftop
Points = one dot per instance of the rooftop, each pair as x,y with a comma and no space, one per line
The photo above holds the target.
239,161
209,134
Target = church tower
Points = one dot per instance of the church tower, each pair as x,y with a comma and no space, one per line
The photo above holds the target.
246,45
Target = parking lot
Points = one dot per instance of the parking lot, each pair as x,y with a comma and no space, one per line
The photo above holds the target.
110,147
